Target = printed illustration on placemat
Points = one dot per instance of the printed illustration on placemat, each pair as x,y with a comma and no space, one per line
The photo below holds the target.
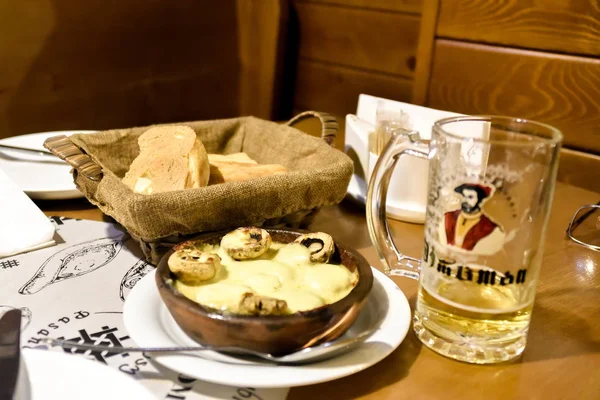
74,261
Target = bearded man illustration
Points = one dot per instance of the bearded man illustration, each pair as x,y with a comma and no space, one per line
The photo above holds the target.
470,228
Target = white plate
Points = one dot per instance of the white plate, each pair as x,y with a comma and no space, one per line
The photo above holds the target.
46,375
39,180
149,324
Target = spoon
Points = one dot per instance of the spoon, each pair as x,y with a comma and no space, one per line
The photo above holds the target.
303,356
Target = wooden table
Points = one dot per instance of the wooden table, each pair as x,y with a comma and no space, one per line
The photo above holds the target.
562,358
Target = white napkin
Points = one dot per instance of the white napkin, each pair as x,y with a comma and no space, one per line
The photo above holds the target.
407,196
356,146
23,226
421,118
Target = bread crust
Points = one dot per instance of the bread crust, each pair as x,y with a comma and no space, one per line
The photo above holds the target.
171,158
234,157
227,171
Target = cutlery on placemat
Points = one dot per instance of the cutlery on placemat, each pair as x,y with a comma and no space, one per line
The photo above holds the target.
10,352
303,356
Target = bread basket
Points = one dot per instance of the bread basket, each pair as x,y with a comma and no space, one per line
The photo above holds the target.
318,176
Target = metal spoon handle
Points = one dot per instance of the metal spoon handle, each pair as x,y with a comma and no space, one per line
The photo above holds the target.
307,354
86,346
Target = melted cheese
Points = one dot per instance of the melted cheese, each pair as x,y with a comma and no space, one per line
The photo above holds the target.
284,272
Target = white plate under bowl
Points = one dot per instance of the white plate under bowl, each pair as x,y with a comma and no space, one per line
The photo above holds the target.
149,323
39,180
50,375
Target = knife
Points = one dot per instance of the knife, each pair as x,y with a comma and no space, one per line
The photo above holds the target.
10,351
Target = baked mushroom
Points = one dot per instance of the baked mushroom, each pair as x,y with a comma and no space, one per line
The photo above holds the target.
261,305
192,266
246,243
320,244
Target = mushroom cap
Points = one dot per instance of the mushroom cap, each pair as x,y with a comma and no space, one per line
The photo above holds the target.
192,266
253,304
246,243
321,245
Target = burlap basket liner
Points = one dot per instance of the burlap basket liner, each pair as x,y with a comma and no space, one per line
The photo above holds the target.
318,176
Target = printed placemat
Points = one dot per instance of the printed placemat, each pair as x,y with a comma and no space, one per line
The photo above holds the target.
76,291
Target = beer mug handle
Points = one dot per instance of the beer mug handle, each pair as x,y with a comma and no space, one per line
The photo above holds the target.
394,262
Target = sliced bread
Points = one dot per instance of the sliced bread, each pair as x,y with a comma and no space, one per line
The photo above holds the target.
171,158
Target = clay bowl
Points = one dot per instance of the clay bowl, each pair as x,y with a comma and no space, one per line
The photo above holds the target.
271,334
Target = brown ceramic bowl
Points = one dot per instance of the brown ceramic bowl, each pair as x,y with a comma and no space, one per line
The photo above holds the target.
271,334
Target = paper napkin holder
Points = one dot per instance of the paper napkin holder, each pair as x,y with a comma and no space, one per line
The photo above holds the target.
407,194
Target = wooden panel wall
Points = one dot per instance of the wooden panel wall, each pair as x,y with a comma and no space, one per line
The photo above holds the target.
94,64
557,89
385,5
262,32
348,47
579,169
335,88
98,64
565,26
538,59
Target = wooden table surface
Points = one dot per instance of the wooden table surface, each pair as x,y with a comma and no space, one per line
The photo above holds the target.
562,357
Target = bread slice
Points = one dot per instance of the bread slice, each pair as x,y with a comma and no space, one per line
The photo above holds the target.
227,171
234,157
171,158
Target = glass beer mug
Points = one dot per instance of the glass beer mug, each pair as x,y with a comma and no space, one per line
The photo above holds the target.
491,183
